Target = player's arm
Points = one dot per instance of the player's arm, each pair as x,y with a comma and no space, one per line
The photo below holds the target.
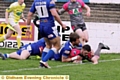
23,17
88,9
6,17
30,15
57,17
8,10
65,56
55,14
67,59
61,11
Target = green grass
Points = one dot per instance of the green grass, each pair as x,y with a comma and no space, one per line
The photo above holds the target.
108,70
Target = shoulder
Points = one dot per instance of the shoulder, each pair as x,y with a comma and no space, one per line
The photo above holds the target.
66,4
24,4
13,4
67,47
81,1
52,2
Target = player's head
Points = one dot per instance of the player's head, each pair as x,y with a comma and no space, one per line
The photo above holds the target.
21,1
86,49
72,0
74,38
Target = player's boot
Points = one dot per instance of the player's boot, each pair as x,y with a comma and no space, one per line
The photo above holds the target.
104,46
41,65
2,56
44,64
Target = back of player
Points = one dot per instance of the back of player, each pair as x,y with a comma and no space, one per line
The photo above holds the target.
47,12
46,19
38,46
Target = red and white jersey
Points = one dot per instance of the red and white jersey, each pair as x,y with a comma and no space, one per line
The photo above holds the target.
74,9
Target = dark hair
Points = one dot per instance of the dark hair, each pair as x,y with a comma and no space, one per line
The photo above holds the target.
73,36
87,47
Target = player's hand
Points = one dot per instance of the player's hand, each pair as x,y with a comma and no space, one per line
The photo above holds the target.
28,32
24,20
64,26
88,13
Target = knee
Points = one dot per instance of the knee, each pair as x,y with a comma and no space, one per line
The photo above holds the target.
19,33
7,36
86,39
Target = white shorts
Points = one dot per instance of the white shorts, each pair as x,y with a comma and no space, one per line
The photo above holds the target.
12,22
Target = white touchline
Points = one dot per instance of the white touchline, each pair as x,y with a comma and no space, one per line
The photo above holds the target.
58,66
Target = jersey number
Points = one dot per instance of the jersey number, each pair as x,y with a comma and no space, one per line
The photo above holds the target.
42,11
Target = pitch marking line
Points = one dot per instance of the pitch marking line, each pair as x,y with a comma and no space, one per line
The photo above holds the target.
58,66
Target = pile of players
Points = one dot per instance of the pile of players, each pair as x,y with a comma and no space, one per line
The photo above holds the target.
49,46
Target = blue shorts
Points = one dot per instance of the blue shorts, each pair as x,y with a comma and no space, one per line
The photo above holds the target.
25,47
48,31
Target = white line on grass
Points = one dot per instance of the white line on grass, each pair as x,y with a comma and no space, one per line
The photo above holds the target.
58,66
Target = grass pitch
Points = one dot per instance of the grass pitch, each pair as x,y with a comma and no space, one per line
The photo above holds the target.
107,69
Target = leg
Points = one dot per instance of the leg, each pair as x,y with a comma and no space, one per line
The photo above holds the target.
18,30
80,33
97,52
24,54
8,35
13,55
45,55
2,56
56,46
52,40
86,36
47,48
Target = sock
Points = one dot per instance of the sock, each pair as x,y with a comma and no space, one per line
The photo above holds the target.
97,52
18,41
45,51
49,54
9,26
2,38
6,55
